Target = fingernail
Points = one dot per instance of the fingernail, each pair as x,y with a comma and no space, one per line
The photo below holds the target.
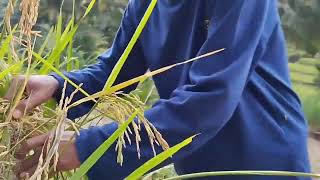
17,114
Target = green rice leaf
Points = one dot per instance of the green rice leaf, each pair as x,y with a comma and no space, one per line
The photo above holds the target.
10,58
44,44
5,46
69,57
70,46
57,52
245,173
58,34
98,153
76,64
62,41
130,82
116,70
152,163
10,69
68,28
158,71
89,8
59,27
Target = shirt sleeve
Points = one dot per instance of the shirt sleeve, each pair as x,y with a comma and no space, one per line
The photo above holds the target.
212,90
95,76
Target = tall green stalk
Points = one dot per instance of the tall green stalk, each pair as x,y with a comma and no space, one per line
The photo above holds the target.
245,173
116,70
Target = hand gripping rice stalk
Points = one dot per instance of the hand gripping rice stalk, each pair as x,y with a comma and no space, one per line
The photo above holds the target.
15,131
117,107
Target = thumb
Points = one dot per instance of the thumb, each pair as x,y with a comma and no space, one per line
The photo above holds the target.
26,105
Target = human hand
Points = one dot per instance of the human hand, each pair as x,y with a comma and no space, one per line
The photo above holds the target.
39,89
68,157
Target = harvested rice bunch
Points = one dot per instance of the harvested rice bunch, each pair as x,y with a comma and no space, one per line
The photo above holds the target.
119,107
33,123
14,131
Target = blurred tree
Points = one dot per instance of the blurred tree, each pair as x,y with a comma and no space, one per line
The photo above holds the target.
299,19
317,80
94,35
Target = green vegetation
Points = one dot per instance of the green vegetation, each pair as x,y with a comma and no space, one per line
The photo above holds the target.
299,21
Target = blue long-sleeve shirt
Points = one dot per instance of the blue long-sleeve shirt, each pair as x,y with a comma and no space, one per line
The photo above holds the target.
240,100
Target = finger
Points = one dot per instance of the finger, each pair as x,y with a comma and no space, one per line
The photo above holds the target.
35,98
29,162
27,104
28,145
23,107
15,84
28,173
20,109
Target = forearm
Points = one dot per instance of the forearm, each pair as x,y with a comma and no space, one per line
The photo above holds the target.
93,78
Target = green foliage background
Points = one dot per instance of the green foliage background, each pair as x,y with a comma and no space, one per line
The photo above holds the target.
300,21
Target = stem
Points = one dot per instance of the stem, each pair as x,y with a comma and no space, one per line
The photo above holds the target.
245,173
116,70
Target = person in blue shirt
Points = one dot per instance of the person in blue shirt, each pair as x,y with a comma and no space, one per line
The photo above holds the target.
240,100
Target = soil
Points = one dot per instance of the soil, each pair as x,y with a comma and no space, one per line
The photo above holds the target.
314,151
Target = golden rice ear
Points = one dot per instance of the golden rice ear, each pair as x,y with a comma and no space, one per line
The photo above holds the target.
29,15
119,107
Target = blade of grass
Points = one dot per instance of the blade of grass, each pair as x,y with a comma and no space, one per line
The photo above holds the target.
66,37
152,163
245,173
130,82
116,70
59,27
69,57
70,47
68,28
60,46
152,73
44,44
66,62
98,153
89,8
59,32
9,70
76,64
10,58
5,46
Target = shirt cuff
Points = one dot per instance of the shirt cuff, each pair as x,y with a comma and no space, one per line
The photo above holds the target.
58,92
89,140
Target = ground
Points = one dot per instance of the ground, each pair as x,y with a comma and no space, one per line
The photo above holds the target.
314,150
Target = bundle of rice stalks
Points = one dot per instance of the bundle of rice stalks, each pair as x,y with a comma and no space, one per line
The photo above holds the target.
14,131
119,107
